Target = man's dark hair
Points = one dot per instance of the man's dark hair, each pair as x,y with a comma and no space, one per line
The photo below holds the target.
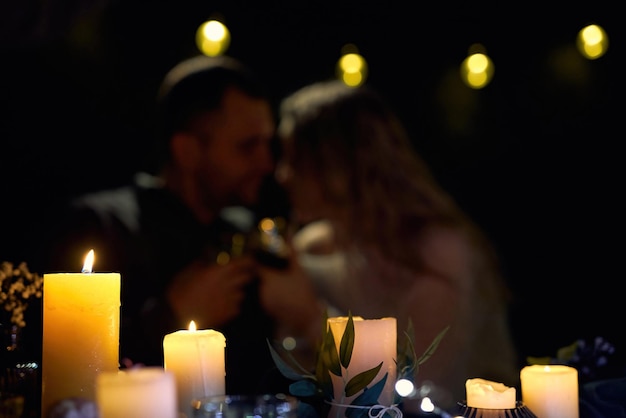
197,85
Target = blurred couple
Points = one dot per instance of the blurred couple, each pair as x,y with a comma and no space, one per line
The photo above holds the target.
369,232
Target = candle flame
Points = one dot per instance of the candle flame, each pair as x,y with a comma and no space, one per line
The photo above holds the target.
192,326
88,266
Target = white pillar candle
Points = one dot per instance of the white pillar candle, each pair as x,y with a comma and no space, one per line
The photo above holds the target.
81,326
136,393
375,341
550,391
196,358
485,394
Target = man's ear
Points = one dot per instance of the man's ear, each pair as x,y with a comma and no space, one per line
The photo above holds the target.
184,149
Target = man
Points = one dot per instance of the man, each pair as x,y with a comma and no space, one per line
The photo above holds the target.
167,233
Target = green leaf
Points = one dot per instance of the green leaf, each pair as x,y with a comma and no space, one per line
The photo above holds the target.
369,397
327,360
538,360
433,346
284,368
361,380
305,388
306,410
407,359
329,355
322,375
565,354
347,342
326,387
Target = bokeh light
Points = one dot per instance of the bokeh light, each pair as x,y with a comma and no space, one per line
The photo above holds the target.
592,42
289,343
477,68
351,67
212,38
405,388
427,405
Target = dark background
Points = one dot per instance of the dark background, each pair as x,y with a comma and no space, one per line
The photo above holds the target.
534,157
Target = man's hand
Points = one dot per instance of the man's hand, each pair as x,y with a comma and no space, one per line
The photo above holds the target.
210,294
288,296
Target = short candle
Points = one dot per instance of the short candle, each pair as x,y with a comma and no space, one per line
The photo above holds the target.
485,394
196,358
81,327
136,393
550,391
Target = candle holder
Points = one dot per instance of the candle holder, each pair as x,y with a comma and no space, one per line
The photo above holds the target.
520,411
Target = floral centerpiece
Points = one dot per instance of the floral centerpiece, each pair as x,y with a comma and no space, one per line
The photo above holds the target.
315,388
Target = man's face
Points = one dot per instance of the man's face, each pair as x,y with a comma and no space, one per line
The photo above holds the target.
237,151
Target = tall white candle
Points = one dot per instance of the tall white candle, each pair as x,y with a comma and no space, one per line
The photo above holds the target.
136,393
485,394
550,391
81,326
375,341
196,358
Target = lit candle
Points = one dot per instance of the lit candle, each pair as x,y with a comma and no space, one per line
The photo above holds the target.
375,341
196,358
81,326
136,393
550,391
485,394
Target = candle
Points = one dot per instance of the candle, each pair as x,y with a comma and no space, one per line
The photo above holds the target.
136,393
196,358
550,391
485,394
81,321
375,341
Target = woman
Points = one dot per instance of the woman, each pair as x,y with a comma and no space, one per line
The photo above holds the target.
381,238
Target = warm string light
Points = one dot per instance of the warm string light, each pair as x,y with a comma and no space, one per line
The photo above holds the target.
476,70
